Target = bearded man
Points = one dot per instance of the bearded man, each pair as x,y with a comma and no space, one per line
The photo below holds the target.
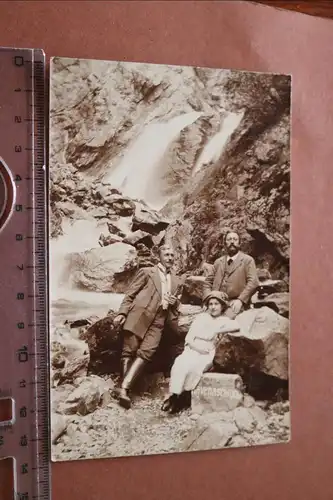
235,274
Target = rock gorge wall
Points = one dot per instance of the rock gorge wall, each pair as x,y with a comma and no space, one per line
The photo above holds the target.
247,188
248,192
99,108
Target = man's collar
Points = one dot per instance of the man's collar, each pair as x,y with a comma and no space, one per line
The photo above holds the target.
233,257
163,269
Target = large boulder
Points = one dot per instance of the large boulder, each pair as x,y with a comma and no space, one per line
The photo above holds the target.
148,220
261,345
193,290
103,190
217,392
267,285
139,237
270,286
211,431
241,426
88,394
79,326
121,205
69,357
106,269
115,228
273,425
105,343
244,420
109,239
278,302
60,395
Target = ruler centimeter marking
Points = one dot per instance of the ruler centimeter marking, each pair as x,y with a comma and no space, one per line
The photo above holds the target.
24,362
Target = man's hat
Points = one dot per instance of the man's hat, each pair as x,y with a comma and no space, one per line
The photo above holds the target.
220,296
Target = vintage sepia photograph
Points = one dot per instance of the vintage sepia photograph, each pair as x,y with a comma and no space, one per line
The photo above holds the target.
169,258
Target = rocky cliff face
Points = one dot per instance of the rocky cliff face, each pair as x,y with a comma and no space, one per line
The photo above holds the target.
248,192
246,189
99,108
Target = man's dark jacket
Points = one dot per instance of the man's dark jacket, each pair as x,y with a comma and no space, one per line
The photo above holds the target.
143,300
239,279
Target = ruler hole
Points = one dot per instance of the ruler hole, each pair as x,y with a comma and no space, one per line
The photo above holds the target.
7,479
6,411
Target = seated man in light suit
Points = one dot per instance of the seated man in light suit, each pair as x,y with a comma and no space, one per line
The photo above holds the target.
235,274
149,303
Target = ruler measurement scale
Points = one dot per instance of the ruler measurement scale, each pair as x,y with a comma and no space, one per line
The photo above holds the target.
23,309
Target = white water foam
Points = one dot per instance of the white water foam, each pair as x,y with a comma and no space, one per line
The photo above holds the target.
134,173
218,142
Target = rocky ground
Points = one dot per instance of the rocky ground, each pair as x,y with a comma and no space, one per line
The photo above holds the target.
87,422
111,431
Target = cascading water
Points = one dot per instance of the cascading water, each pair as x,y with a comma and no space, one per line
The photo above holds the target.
78,236
134,173
217,143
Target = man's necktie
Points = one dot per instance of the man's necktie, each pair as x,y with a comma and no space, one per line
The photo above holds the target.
230,261
165,303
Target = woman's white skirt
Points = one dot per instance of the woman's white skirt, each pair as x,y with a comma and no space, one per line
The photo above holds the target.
187,370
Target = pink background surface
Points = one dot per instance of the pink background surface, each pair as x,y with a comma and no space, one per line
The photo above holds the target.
237,35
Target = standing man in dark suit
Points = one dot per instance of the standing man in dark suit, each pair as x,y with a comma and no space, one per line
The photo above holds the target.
235,274
150,301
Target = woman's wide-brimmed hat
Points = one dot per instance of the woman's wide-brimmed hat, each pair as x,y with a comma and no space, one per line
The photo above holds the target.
220,296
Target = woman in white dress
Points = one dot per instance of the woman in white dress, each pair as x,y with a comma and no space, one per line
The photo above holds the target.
200,347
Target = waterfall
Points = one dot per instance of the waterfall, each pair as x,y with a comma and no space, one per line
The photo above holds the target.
217,143
136,169
68,302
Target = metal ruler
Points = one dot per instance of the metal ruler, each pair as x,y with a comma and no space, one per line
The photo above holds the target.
24,392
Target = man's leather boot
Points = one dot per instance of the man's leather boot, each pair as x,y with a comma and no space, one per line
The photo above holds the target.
130,377
125,364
